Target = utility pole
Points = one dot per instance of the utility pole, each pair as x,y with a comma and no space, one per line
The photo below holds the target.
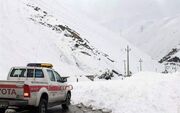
124,67
140,62
128,50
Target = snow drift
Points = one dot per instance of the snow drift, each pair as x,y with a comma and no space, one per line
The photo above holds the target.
142,93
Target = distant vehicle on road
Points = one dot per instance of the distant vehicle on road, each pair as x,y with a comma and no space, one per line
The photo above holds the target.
35,86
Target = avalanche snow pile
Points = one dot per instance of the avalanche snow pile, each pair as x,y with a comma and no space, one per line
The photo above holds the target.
142,93
50,31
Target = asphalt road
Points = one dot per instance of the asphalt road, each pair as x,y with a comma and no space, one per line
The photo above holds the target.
72,109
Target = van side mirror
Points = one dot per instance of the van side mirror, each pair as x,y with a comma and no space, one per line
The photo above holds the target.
63,79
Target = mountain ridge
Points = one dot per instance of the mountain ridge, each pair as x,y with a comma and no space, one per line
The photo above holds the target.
32,31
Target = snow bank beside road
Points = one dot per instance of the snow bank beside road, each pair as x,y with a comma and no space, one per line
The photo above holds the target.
142,93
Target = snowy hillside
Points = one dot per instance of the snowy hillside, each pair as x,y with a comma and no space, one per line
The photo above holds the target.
118,15
156,38
50,31
160,39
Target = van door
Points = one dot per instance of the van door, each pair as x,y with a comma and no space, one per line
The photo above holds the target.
61,84
53,87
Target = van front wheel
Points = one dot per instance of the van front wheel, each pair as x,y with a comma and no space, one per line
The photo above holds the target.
42,108
67,101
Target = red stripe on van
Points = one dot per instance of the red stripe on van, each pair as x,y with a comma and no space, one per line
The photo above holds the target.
35,88
8,86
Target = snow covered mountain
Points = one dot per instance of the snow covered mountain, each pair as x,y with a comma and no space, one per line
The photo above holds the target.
50,31
121,14
160,39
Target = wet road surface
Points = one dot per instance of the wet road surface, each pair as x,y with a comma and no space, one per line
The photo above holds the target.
72,109
75,109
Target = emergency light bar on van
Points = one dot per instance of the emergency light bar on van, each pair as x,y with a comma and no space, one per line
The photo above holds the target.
47,65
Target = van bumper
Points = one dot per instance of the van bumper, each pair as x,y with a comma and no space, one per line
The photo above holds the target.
12,102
